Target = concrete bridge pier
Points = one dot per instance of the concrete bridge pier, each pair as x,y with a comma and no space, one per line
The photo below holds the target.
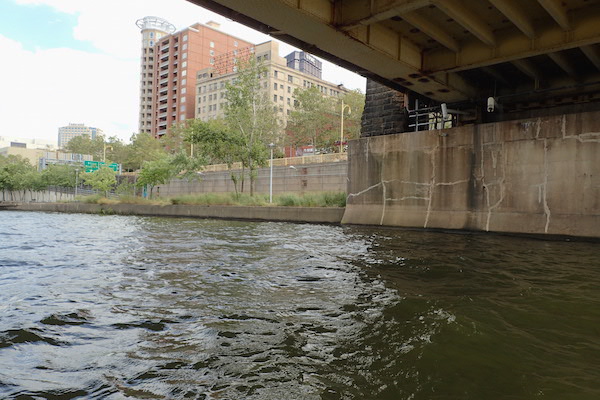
534,176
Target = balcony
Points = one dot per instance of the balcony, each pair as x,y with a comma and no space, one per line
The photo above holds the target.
165,56
164,64
163,98
162,115
164,80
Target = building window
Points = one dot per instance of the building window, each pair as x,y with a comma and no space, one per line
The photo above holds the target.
182,117
275,86
184,64
290,79
274,72
211,52
281,87
185,38
183,99
289,89
275,97
184,46
182,108
184,90
184,56
151,35
152,43
288,101
235,43
212,61
288,112
280,98
235,52
212,44
184,73
183,82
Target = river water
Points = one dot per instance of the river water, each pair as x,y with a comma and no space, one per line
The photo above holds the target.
116,307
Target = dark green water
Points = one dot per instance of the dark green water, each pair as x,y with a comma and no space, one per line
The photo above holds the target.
112,307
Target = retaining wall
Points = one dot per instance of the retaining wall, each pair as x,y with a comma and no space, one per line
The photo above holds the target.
330,215
326,177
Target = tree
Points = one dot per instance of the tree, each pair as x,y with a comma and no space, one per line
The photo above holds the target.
103,179
17,174
156,172
352,120
249,115
84,144
143,147
215,143
312,120
59,175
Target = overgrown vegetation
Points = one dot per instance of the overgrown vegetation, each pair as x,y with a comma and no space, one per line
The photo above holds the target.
324,199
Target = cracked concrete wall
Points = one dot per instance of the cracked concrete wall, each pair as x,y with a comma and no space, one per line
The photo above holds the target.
536,176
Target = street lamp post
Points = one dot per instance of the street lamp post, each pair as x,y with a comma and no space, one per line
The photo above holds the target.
104,151
342,124
271,146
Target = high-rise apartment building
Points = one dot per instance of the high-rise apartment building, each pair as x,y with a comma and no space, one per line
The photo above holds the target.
278,84
66,133
153,29
176,59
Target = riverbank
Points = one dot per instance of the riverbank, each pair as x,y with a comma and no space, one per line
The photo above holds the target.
327,215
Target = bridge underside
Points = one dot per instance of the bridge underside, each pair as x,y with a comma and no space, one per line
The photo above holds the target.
461,52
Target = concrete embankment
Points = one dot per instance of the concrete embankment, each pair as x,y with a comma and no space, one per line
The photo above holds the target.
328,215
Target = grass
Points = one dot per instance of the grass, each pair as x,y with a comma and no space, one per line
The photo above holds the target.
321,199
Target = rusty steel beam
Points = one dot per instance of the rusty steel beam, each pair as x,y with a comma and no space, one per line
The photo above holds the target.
374,11
557,11
432,30
467,19
549,39
511,9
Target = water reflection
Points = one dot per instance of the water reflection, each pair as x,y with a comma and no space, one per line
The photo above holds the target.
126,307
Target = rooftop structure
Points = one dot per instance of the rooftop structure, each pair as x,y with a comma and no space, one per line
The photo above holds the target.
169,66
279,83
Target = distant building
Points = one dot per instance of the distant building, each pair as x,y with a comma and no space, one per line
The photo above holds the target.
66,133
168,74
279,83
305,63
8,141
41,158
153,29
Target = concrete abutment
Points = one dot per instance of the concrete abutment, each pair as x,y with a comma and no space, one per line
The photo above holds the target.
533,176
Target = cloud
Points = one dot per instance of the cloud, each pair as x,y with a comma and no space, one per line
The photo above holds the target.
45,89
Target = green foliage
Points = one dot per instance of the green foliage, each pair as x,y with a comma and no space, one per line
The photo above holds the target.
352,117
143,147
324,199
156,172
103,179
17,174
312,121
59,175
250,118
84,144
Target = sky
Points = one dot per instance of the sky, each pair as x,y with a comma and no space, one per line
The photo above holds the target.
77,61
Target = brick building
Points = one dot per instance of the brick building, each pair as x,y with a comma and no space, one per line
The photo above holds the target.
176,57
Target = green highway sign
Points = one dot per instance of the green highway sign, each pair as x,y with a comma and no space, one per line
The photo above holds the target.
91,166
